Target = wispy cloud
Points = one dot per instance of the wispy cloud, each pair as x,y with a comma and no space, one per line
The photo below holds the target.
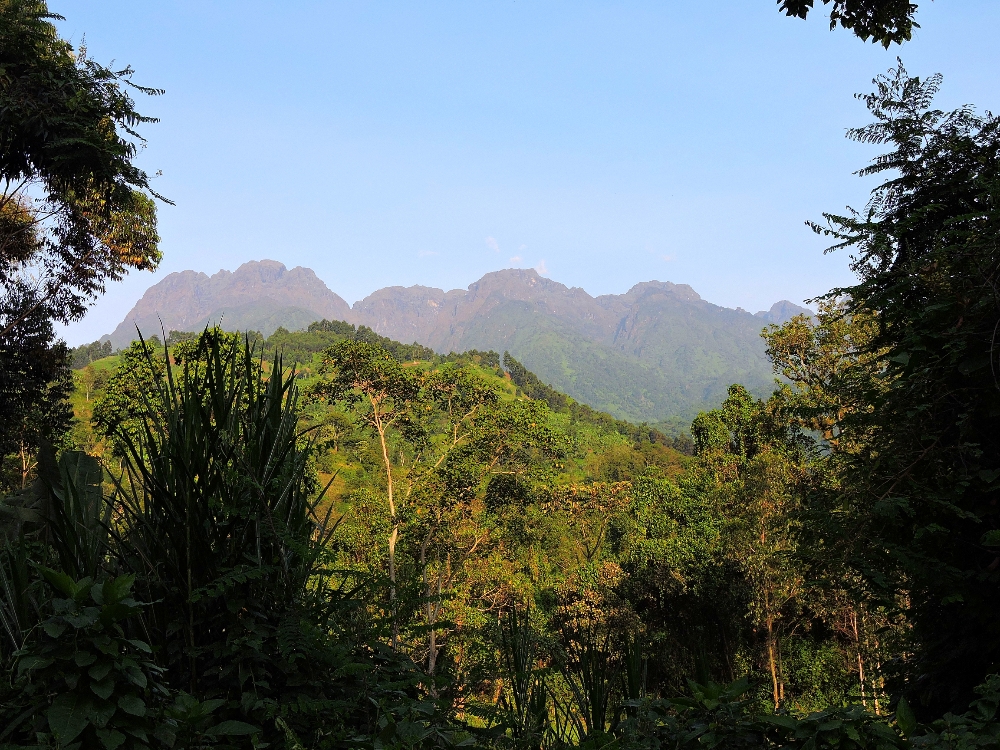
667,258
542,270
516,260
492,244
427,253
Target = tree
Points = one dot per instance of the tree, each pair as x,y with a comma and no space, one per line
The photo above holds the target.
365,374
452,447
883,21
84,354
35,383
92,381
828,366
131,395
477,442
919,495
831,371
75,211
754,461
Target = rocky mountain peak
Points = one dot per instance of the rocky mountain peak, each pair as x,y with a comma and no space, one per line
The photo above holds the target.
782,312
259,295
643,288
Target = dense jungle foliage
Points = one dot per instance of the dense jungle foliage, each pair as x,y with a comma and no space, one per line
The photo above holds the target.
329,539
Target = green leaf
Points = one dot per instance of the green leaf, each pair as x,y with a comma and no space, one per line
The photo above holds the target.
227,728
84,658
786,722
68,717
991,538
32,662
102,712
165,733
905,719
135,676
116,590
60,582
110,738
140,645
85,619
100,670
103,688
54,628
112,613
137,731
988,475
132,704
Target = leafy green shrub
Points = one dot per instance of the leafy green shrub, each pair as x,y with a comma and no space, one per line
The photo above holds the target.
712,716
719,716
81,682
850,728
978,728
402,723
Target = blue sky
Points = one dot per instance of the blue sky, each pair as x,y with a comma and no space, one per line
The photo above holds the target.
605,143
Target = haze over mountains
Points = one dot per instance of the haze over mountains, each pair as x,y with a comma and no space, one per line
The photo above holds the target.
657,353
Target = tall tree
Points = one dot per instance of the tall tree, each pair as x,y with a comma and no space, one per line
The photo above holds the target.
131,395
366,375
754,462
827,365
920,496
35,383
75,210
477,442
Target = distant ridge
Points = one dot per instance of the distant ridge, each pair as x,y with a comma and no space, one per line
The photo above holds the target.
658,353
259,296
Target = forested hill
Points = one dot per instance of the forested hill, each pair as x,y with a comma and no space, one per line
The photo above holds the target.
658,353
303,350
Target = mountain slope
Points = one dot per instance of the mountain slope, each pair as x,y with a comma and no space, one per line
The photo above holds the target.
259,296
654,354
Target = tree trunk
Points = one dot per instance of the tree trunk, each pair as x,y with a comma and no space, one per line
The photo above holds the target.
772,663
394,535
861,662
26,465
877,683
392,585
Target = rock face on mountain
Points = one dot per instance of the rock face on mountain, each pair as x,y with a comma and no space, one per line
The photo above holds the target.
446,321
782,312
657,353
259,296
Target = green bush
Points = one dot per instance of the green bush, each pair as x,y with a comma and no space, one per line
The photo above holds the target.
81,682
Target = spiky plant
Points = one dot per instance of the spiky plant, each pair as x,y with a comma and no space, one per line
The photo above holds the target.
220,527
523,704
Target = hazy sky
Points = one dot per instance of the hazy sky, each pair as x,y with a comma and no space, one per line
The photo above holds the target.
605,143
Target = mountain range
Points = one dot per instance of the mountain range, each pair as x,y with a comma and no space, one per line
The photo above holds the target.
658,353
